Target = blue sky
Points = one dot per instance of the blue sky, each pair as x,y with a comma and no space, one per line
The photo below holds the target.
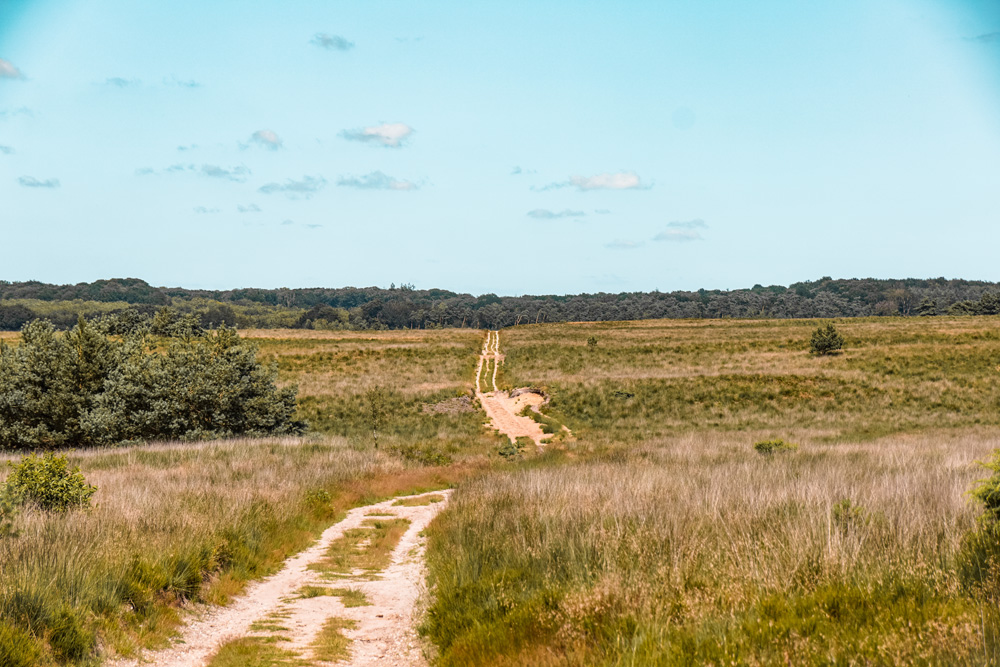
517,147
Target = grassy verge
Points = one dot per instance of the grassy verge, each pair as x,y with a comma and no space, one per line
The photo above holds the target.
701,551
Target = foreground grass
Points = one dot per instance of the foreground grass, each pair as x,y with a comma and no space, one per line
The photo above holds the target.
175,523
701,551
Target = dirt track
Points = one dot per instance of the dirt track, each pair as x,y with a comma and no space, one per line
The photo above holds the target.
504,411
384,634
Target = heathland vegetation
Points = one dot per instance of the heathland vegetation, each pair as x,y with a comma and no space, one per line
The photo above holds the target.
725,497
666,537
405,307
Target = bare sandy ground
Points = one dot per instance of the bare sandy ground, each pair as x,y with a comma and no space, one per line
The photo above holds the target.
503,410
384,634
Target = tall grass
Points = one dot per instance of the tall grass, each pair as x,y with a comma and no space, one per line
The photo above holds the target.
698,550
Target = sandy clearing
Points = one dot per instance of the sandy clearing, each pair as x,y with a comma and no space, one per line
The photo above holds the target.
385,633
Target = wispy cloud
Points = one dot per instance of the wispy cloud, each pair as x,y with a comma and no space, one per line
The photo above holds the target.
305,188
249,208
174,81
376,181
288,222
987,38
32,182
622,180
6,150
331,42
681,231
546,214
238,174
268,139
620,244
145,171
119,82
190,147
9,71
202,209
517,171
390,135
312,226
601,211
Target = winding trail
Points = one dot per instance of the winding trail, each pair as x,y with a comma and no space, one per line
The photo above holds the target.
383,633
503,408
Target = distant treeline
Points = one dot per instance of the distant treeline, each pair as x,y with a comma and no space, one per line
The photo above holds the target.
136,303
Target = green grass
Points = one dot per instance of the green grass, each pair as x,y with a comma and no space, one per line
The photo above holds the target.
367,548
255,652
351,597
419,501
330,644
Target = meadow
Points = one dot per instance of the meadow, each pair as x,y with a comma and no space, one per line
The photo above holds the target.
177,523
657,535
653,535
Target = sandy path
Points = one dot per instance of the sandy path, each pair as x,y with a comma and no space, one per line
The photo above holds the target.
384,634
504,411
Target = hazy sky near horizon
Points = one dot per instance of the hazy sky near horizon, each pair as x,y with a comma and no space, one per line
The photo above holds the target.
516,147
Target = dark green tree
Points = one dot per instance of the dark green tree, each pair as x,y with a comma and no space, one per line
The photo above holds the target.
826,340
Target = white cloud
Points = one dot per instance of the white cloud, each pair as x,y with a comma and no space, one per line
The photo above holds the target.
622,180
305,188
387,134
249,208
376,181
9,71
202,209
680,235
682,230
546,214
32,182
331,42
238,174
619,244
267,138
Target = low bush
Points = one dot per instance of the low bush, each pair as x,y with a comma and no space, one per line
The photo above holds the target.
47,482
826,340
774,446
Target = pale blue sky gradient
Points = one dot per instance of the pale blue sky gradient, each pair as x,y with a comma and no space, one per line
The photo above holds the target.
706,144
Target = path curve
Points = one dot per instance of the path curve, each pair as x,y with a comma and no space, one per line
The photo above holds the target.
384,633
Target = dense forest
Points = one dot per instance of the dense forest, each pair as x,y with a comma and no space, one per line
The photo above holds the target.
132,302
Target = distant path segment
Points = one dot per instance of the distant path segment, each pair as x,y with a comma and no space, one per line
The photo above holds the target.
503,409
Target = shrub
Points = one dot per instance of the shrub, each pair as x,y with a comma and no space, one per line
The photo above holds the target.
826,340
776,445
592,342
86,388
987,490
48,482
847,515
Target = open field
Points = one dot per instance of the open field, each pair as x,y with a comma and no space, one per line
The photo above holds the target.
653,534
664,538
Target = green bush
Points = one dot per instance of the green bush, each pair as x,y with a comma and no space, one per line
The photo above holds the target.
86,388
987,490
826,340
47,482
774,446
